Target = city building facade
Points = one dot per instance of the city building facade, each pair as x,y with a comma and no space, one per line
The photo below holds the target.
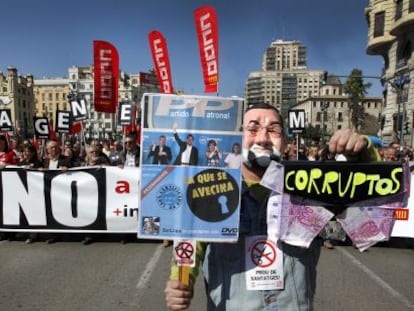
16,95
329,111
52,94
391,35
284,79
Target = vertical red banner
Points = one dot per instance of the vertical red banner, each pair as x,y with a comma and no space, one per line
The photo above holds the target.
106,75
207,33
159,53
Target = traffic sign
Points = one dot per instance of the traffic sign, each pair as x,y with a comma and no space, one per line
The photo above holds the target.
296,121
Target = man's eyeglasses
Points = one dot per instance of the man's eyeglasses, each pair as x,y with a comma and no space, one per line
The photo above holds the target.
274,130
128,142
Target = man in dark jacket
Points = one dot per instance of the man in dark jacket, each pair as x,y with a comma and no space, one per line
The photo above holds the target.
54,159
188,154
130,155
161,153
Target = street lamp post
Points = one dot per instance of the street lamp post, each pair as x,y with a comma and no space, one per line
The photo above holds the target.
323,108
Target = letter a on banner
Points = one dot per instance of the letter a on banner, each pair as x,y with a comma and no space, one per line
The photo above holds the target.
106,74
159,53
207,33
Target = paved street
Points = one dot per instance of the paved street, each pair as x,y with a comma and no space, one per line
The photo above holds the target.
108,275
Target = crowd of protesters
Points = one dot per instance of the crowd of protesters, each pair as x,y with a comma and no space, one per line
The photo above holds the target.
58,154
54,154
314,152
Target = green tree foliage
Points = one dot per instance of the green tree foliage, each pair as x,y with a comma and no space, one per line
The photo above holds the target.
356,90
371,125
311,134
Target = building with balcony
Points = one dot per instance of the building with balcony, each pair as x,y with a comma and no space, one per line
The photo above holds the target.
329,111
52,94
284,56
284,79
16,95
391,35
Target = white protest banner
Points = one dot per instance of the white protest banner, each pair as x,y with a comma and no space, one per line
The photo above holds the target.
404,223
90,199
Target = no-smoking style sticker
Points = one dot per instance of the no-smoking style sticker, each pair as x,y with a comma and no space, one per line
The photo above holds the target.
185,252
263,254
264,263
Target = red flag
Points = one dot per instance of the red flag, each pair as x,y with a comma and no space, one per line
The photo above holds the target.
207,33
159,53
106,75
53,135
6,134
76,127
35,142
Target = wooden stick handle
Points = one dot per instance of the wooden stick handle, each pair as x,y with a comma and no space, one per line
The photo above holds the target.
184,274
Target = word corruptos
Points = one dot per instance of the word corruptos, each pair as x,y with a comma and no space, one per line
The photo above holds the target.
343,183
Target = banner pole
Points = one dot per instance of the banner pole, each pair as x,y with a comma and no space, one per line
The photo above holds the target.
83,138
184,275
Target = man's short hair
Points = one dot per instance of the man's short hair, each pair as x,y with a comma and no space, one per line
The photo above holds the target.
261,106
265,106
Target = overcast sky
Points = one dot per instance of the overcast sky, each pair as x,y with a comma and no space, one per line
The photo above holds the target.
46,37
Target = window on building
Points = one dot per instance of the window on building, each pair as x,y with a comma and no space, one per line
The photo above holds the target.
411,6
319,116
50,96
403,54
43,96
57,96
379,24
398,9
340,118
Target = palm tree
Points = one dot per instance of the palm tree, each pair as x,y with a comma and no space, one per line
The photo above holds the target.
356,90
